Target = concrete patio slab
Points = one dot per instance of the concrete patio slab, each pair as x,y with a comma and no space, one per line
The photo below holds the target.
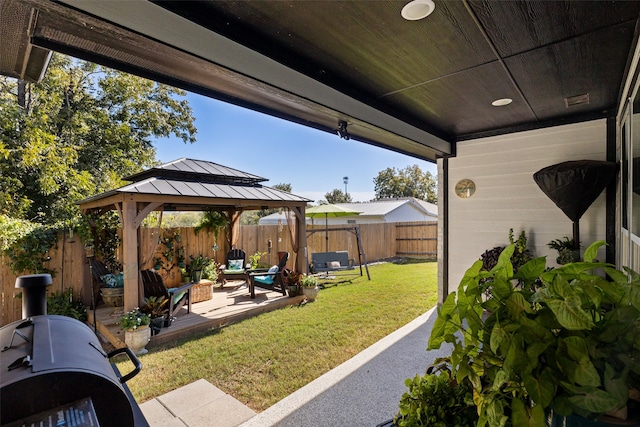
199,404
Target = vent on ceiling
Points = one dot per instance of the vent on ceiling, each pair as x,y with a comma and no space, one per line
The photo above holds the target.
572,101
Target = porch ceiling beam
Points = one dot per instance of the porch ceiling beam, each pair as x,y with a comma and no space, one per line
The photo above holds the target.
152,21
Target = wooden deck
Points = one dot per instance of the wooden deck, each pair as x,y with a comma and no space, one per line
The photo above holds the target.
228,305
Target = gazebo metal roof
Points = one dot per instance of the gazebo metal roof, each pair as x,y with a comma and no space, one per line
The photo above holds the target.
188,184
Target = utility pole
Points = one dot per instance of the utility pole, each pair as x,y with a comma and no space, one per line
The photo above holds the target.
345,179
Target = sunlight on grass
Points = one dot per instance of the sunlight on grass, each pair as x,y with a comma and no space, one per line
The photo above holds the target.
261,360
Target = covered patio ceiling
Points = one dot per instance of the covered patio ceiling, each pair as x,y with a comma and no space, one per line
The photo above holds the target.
415,87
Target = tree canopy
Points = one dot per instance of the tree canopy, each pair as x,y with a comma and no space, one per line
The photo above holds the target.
408,182
337,196
77,133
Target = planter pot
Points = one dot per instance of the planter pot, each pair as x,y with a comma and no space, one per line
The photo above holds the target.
196,276
293,290
157,266
113,297
137,339
310,293
156,325
168,320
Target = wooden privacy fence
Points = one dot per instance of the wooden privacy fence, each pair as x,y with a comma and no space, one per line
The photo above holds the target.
379,241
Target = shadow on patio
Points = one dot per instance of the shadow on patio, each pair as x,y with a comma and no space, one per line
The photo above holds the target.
228,305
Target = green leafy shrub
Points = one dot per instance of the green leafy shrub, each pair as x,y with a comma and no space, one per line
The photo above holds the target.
29,252
254,260
435,400
63,304
568,343
210,271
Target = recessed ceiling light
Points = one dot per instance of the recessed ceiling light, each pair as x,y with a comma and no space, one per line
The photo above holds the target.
502,102
417,9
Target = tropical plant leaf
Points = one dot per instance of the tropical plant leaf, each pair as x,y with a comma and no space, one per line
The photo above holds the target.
497,336
504,268
501,288
592,400
592,251
538,416
517,305
532,269
519,415
570,314
443,323
541,388
616,386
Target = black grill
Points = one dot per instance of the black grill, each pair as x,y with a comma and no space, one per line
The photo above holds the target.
54,366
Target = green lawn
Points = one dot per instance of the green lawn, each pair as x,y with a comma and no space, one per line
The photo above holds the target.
261,360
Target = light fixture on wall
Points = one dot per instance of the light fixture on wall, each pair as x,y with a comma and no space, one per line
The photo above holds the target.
342,130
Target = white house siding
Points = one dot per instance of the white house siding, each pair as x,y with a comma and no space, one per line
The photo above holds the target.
506,196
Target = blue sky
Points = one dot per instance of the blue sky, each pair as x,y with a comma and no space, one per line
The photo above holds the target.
313,162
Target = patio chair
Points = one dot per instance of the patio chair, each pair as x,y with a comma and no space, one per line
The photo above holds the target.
269,278
101,277
235,268
178,297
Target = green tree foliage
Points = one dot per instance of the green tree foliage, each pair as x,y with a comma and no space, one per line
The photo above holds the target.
408,182
337,196
77,133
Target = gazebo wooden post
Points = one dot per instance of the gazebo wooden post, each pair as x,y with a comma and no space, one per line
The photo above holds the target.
130,254
234,228
301,237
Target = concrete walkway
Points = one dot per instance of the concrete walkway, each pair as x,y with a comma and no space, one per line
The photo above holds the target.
363,391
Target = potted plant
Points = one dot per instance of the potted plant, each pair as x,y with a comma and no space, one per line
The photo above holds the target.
155,308
196,265
292,281
560,339
157,263
309,285
185,273
436,399
566,252
137,333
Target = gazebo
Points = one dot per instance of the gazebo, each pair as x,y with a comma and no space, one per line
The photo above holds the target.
190,185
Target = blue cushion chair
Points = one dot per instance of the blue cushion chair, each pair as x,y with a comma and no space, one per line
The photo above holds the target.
269,278
235,268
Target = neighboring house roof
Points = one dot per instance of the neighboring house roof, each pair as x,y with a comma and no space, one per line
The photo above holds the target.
386,206
380,210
